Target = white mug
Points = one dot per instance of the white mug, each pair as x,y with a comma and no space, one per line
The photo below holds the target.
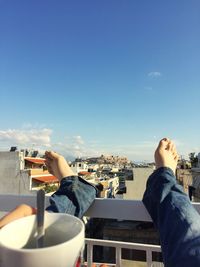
63,242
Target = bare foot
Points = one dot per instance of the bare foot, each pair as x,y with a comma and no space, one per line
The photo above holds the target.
166,155
57,165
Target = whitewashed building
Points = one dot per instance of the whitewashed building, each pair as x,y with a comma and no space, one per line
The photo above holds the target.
14,178
79,166
135,188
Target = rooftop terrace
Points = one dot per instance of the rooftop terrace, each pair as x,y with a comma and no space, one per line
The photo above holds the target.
104,208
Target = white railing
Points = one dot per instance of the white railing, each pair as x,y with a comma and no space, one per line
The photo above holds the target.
102,208
118,245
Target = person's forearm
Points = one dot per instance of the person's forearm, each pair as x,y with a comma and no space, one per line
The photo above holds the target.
177,221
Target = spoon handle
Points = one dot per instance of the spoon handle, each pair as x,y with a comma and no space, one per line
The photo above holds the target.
40,217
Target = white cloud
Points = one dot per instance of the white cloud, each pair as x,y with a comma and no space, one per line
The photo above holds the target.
154,74
38,137
75,146
41,139
30,126
78,139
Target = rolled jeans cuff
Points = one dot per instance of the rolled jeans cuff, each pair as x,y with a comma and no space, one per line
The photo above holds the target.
74,196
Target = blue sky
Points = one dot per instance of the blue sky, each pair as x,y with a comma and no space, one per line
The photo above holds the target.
93,77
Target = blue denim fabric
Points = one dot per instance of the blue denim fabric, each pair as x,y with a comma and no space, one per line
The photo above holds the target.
176,219
74,196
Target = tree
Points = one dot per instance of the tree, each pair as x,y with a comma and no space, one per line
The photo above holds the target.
193,159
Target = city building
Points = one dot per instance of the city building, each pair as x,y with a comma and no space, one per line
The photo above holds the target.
22,175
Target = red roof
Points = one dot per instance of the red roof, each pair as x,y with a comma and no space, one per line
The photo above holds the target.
46,179
36,160
84,173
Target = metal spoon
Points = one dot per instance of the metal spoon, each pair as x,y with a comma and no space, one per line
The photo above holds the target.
40,218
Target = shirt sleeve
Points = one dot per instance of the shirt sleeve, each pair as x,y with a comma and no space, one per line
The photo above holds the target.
176,219
74,196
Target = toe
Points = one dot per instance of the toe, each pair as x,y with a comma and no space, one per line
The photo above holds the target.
163,142
170,145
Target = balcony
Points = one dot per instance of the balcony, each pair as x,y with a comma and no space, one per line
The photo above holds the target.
104,208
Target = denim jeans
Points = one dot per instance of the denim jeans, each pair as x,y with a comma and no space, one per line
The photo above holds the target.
74,196
177,221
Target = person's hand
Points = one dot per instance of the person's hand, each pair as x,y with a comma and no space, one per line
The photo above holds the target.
20,211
